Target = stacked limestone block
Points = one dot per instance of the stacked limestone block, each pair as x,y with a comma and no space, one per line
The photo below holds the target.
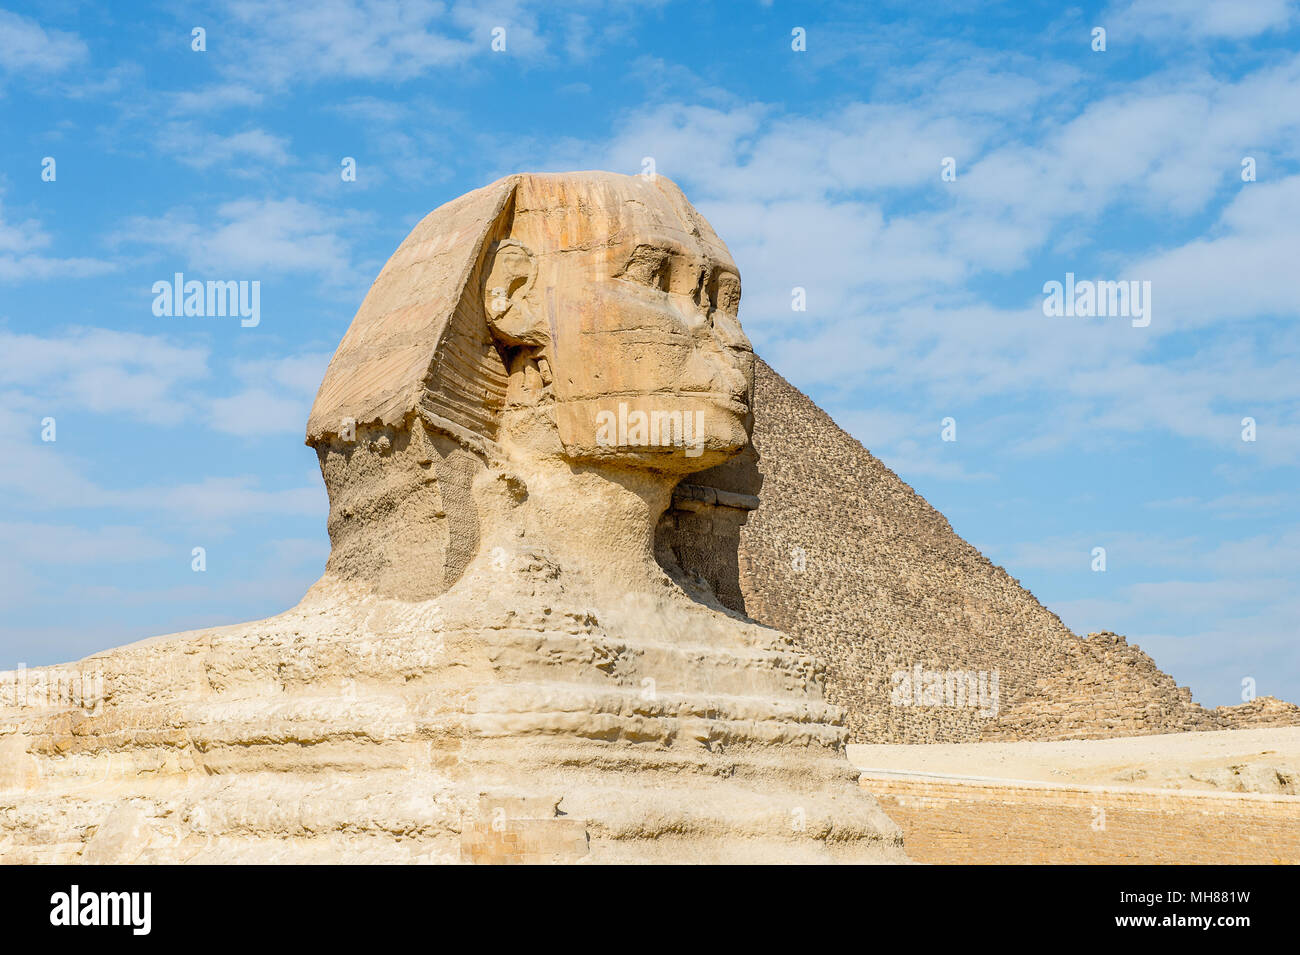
1112,689
1259,712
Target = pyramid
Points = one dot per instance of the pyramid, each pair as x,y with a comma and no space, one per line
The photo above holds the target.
812,534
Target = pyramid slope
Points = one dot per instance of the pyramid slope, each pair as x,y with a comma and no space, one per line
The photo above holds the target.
846,557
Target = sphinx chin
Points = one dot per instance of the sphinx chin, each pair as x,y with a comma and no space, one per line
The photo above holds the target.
676,434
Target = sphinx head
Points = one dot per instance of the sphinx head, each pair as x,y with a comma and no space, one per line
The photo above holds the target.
613,305
585,319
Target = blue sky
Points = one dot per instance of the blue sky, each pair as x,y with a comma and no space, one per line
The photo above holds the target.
821,169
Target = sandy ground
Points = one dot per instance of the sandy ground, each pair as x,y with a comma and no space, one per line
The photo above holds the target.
1259,760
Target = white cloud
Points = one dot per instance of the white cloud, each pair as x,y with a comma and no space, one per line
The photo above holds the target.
275,399
129,377
249,238
1232,506
44,476
282,42
240,153
1248,560
1180,20
100,371
68,544
1209,611
151,379
257,412
217,499
213,98
1245,268
21,259
26,46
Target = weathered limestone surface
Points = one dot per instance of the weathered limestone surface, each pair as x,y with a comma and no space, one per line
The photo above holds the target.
494,667
359,728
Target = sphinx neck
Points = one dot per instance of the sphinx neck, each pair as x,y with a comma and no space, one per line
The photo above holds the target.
595,523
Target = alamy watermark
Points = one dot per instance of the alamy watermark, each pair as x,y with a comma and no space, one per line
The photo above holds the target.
210,299
957,688
1088,299
74,907
52,688
651,429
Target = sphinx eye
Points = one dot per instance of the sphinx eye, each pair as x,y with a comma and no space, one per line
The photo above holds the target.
703,294
724,292
648,266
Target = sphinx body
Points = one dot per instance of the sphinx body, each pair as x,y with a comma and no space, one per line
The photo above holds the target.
496,666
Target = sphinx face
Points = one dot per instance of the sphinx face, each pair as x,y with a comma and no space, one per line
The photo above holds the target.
648,362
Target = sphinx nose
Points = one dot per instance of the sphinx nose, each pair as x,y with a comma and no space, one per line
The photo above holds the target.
719,370
727,331
737,384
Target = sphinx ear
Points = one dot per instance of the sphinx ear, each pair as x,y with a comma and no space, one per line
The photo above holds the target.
509,272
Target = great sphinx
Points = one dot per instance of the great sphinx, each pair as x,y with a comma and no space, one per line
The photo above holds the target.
579,327
503,661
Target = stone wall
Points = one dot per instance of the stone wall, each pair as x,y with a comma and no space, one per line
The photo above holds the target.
965,821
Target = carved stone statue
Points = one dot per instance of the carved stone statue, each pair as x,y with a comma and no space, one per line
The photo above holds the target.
578,327
495,666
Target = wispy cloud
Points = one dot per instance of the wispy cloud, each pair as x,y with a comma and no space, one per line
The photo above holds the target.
23,259
26,46
1174,21
252,237
248,150
101,371
275,397
284,42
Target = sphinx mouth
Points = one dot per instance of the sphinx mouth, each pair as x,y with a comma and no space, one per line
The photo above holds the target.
739,403
737,408
740,400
